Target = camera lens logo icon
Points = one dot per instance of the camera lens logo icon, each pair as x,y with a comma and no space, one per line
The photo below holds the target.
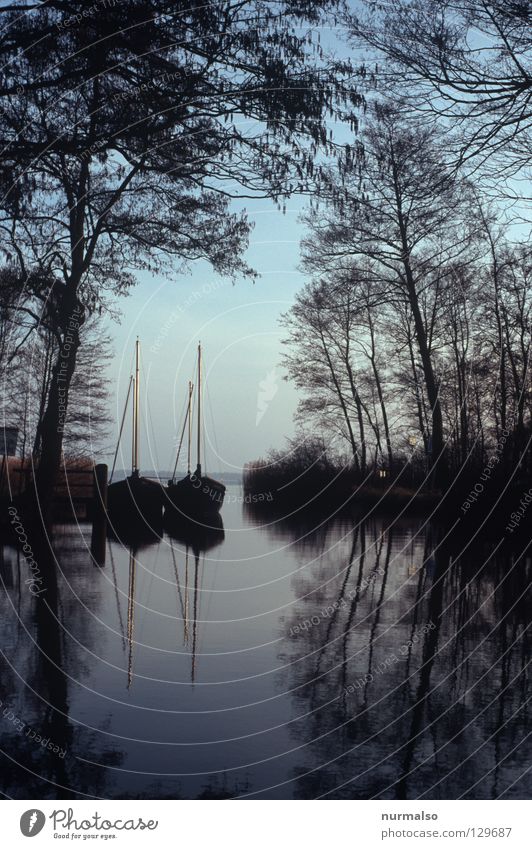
32,822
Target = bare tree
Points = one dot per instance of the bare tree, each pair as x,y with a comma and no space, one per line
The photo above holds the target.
467,63
123,147
26,386
332,356
317,361
395,203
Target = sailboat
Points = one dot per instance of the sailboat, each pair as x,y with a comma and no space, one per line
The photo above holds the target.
196,497
134,505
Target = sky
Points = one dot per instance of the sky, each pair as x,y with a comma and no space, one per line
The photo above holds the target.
238,326
249,406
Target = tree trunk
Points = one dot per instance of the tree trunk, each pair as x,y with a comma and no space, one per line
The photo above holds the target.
420,407
69,317
380,393
54,419
363,448
360,410
438,457
45,386
341,398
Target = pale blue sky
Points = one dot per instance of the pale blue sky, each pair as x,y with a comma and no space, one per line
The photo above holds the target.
238,325
241,339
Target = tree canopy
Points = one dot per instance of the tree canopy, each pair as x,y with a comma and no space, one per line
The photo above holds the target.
128,129
467,63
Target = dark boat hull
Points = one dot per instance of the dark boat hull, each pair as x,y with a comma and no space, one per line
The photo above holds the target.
194,498
201,535
135,502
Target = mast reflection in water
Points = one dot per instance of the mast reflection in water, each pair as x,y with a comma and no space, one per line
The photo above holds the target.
353,659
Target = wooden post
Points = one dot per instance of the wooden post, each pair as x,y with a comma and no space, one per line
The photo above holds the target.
99,514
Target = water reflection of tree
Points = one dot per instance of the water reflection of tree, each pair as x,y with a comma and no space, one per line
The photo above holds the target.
36,689
442,720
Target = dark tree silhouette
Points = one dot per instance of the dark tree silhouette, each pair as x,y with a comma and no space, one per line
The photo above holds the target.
331,356
468,63
124,145
393,201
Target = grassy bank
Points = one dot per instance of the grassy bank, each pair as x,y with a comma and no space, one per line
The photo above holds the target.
306,481
285,483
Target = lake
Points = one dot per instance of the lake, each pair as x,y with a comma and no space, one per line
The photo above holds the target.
351,658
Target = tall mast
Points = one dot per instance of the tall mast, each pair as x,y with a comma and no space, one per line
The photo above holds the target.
133,429
136,411
189,417
198,470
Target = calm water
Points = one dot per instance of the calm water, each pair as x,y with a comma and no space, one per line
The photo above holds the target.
348,660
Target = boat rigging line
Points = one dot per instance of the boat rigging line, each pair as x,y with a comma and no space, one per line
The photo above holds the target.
131,381
150,417
188,420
